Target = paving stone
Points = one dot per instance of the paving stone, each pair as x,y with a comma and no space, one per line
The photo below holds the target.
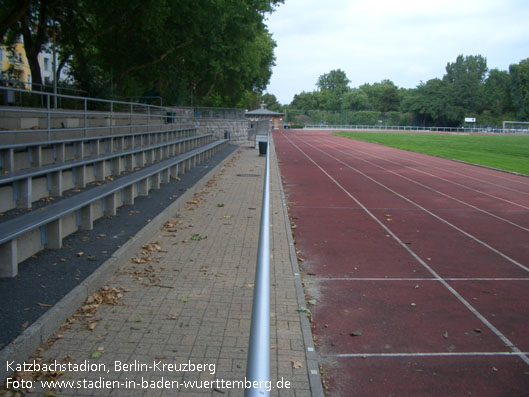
198,309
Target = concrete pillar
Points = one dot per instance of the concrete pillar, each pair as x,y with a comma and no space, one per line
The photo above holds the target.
155,181
80,176
111,205
9,159
110,147
152,156
36,156
56,183
96,148
80,150
174,171
101,170
60,152
116,166
54,233
166,176
9,259
129,162
144,187
24,193
120,143
87,218
140,159
128,195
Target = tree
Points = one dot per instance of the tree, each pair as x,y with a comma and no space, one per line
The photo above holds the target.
465,78
520,88
356,99
383,96
215,52
335,81
496,92
332,86
11,11
430,103
35,21
305,101
271,102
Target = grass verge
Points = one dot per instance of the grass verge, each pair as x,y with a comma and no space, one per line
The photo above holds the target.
506,152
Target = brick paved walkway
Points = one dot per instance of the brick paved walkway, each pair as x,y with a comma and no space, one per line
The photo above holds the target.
187,298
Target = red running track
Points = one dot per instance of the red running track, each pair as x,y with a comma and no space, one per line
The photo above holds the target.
419,265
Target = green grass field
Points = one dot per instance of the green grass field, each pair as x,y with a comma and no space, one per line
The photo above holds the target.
506,152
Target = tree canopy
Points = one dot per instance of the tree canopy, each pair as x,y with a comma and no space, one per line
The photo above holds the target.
211,53
468,89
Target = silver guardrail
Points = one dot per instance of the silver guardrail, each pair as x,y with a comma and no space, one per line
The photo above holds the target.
258,363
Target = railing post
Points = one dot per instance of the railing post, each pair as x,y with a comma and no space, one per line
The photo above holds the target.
148,118
48,116
258,363
85,106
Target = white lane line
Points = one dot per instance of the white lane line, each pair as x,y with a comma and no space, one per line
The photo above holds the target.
471,308
417,279
434,354
441,178
477,240
432,189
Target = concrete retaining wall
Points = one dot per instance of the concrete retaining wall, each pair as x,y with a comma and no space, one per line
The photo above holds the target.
238,129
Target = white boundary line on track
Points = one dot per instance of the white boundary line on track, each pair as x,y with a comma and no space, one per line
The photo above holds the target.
477,240
456,294
434,354
435,176
435,190
416,279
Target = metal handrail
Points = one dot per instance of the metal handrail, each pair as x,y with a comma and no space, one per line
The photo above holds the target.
195,111
131,115
258,363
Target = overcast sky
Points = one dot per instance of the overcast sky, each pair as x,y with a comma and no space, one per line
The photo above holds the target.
406,41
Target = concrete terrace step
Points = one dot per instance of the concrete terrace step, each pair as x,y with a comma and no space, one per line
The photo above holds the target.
60,219
24,192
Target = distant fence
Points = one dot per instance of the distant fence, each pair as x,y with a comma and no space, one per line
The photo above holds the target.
467,130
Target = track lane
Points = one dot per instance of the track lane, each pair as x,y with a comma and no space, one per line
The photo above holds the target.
469,223
491,327
515,213
481,174
397,364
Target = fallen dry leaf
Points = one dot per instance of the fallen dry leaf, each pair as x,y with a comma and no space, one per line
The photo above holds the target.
297,364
